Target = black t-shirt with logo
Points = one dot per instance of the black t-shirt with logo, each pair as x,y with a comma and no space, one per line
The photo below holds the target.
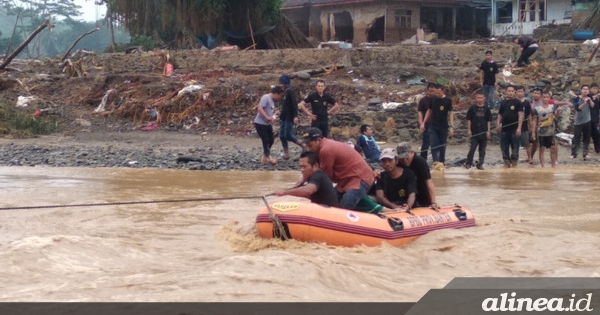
439,111
319,104
397,190
479,117
490,69
509,109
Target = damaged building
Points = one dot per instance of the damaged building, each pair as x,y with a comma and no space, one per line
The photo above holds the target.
358,21
388,21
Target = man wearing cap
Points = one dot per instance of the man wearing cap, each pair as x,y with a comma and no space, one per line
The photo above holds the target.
397,187
425,190
289,116
343,165
315,184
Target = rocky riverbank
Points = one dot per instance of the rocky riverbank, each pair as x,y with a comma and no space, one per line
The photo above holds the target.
187,151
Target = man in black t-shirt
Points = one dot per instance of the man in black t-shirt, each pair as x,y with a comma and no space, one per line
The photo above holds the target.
479,123
526,139
422,108
410,160
441,117
319,101
510,120
315,184
397,186
489,70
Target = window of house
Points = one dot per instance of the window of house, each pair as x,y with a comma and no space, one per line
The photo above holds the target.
530,9
403,18
504,12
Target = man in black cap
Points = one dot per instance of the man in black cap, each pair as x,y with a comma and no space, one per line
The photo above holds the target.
343,165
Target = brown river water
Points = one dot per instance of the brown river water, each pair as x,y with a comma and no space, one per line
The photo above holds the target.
530,223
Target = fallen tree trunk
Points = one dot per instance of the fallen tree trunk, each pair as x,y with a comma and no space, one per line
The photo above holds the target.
76,41
24,44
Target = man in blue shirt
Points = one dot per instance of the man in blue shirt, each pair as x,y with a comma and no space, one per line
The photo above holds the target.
366,144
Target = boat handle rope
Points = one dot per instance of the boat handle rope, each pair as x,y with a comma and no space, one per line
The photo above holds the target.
118,203
278,229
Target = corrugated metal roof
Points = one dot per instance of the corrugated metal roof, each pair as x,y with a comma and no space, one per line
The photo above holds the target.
289,4
293,4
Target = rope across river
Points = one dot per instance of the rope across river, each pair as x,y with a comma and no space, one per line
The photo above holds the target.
119,203
278,227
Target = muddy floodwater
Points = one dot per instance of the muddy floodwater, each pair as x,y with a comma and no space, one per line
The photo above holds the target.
530,223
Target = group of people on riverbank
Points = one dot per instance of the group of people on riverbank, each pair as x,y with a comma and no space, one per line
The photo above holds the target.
405,181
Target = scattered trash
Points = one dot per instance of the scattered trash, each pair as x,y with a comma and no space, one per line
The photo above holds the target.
564,138
193,89
351,71
152,112
102,105
391,105
168,69
335,44
132,162
150,127
83,122
591,42
23,101
228,48
415,80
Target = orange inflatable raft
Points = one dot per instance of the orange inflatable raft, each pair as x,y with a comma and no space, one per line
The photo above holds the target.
309,222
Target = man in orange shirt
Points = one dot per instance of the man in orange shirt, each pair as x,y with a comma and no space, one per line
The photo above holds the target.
343,165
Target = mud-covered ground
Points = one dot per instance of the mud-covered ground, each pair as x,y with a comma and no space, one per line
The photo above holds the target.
212,126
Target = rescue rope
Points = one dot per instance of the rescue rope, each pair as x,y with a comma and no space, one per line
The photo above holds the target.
475,135
278,229
118,203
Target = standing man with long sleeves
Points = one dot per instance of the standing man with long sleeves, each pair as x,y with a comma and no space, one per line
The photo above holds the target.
289,116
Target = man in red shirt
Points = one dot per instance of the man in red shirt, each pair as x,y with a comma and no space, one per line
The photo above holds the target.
343,165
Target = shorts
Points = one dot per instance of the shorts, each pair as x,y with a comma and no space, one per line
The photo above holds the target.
525,139
547,141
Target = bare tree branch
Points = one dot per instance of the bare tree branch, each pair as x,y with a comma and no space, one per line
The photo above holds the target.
24,44
76,41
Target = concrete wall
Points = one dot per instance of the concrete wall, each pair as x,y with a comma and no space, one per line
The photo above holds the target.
555,12
395,34
362,17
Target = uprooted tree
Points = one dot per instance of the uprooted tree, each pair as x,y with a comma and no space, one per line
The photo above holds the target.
187,23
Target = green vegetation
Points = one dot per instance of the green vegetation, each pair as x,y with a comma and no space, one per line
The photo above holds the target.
21,122
181,22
